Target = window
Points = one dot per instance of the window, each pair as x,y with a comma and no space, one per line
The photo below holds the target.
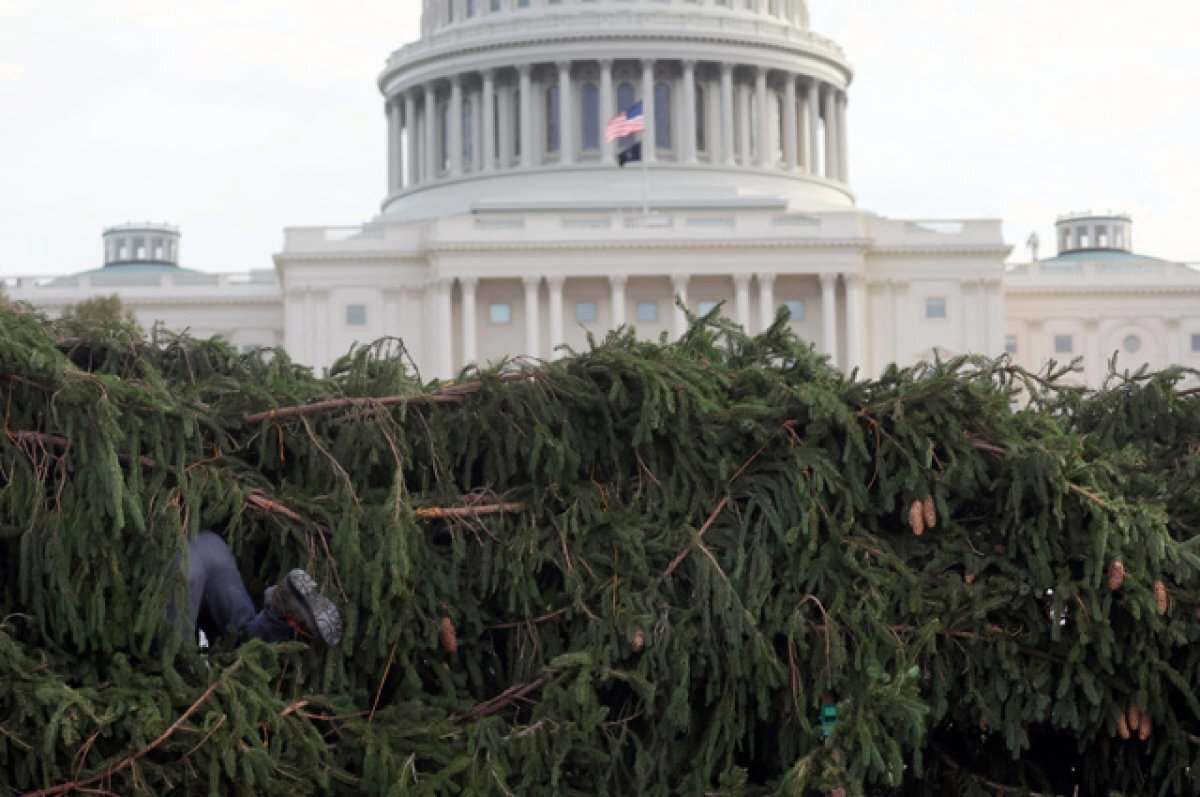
701,121
1132,344
516,123
444,140
1195,342
706,306
139,248
589,98
552,137
795,308
624,103
500,313
1064,344
1010,344
468,117
585,312
494,6
356,315
935,308
470,8
1102,237
662,116
647,312
522,3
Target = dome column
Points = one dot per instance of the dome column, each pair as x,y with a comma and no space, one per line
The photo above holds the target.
745,126
526,85
789,123
607,108
566,147
814,124
648,138
410,140
727,114
489,121
831,134
688,134
455,139
843,164
505,139
393,145
430,142
763,137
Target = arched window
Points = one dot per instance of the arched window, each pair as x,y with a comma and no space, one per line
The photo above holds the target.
662,116
701,120
468,133
552,131
589,118
625,100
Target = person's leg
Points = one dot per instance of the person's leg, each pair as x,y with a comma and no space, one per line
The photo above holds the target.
222,594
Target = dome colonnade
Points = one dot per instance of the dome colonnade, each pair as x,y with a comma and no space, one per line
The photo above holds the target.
504,87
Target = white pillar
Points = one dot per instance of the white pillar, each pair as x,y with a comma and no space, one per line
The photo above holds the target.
431,140
533,332
444,336
455,140
470,338
607,109
616,283
679,286
410,140
476,131
648,139
741,300
527,144
744,126
556,314
566,149
814,125
789,122
766,300
829,317
727,114
489,120
831,134
504,160
763,139
843,160
856,320
393,145
688,133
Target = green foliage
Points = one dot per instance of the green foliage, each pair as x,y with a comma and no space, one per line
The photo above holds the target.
713,542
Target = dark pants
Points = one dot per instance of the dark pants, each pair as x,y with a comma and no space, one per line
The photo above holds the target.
218,599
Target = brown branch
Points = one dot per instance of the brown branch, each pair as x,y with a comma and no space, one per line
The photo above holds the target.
541,619
503,700
386,671
432,512
131,759
700,535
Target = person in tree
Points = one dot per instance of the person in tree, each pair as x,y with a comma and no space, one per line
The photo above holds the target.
219,603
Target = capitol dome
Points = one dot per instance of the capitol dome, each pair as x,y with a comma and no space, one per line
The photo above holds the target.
502,104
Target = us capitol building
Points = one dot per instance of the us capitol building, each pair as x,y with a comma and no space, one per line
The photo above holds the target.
508,229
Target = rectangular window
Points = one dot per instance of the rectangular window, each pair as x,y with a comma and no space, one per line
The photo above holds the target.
356,315
1064,344
706,306
500,313
1195,342
795,308
585,312
1010,344
647,312
935,308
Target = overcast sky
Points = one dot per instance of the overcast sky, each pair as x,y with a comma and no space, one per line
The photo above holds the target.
235,119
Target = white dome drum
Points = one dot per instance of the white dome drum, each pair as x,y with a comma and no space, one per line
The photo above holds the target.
503,104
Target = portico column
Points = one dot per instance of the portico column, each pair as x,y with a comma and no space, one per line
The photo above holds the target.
470,351
761,145
444,337
831,134
455,140
843,161
688,133
532,321
766,300
829,317
617,284
727,114
393,145
679,286
410,142
489,120
556,314
789,122
648,137
430,142
566,149
814,124
526,115
855,321
607,109
741,300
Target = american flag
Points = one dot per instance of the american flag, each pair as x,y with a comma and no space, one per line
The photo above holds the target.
626,123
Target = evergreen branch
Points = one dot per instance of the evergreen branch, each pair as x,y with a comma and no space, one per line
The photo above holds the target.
695,541
504,699
386,671
530,621
433,512
1000,788
15,739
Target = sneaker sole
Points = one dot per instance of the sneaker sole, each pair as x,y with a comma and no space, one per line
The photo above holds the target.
324,615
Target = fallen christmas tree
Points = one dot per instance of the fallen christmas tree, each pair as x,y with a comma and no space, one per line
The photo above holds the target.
714,566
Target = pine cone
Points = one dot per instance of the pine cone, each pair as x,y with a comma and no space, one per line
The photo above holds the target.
929,513
1147,727
449,636
1122,727
968,578
1160,597
916,518
1133,717
639,640
1116,575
